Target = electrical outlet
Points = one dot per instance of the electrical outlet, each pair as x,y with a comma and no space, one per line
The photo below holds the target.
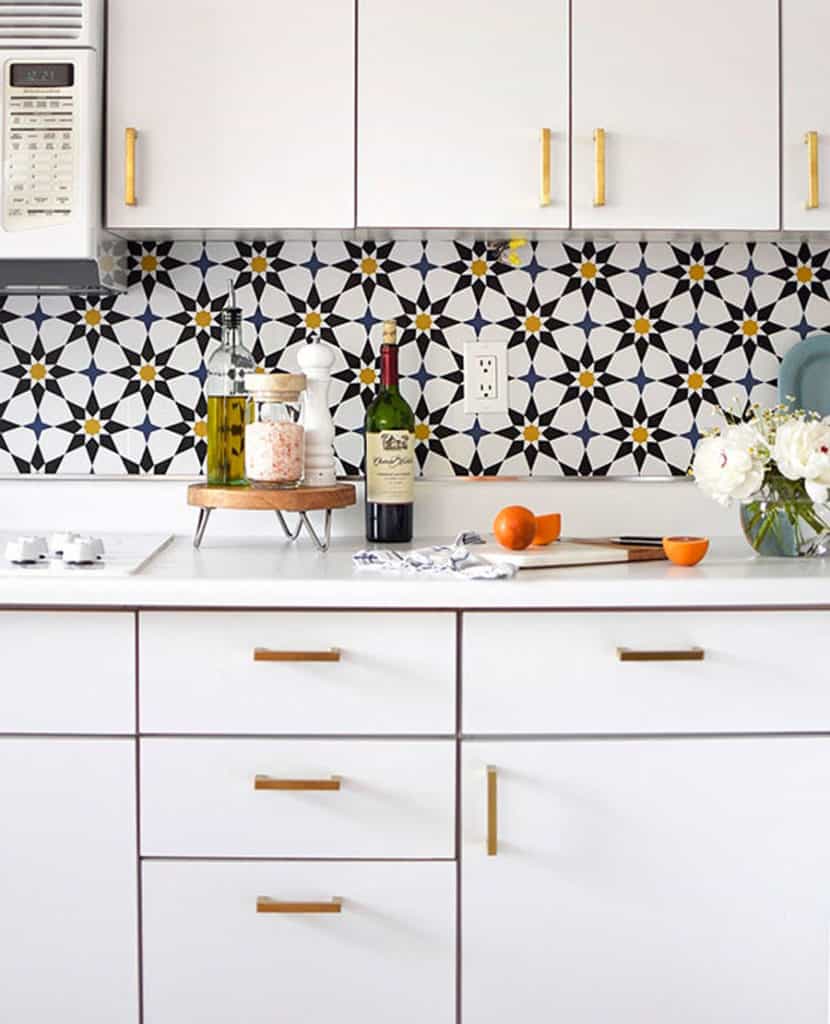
485,377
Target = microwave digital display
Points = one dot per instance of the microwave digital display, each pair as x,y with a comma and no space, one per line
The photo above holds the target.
43,76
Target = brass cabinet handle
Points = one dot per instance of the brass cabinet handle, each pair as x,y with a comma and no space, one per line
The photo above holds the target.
692,654
599,167
297,785
130,135
544,198
265,905
492,812
811,139
264,654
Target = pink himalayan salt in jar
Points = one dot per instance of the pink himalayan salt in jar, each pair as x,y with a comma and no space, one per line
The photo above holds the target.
274,436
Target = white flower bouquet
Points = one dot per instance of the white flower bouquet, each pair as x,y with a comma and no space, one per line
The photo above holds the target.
776,462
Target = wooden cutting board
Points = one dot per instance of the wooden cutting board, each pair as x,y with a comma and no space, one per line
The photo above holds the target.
571,551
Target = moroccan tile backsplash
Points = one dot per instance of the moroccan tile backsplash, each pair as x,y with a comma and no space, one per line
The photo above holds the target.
618,353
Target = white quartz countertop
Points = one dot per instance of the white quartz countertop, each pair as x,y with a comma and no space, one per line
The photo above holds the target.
261,574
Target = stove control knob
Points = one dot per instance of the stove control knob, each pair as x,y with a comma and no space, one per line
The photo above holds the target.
27,550
83,550
58,542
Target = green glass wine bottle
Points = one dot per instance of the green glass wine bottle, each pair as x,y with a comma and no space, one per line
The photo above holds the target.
389,453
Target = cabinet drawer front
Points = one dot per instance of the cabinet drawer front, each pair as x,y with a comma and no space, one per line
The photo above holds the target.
276,798
389,954
393,673
563,673
67,672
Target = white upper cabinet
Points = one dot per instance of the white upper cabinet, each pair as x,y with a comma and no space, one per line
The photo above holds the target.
244,114
805,102
452,103
688,97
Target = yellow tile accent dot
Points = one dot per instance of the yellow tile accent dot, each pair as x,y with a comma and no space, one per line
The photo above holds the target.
639,435
313,321
422,431
92,427
533,324
588,270
203,318
586,379
478,268
750,328
368,375
149,263
200,428
531,433
695,381
37,371
368,266
423,321
642,325
147,373
259,264
804,275
93,317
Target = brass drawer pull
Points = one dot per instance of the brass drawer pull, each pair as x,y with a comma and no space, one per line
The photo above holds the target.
265,905
599,167
130,135
692,654
811,140
492,812
264,654
544,195
297,785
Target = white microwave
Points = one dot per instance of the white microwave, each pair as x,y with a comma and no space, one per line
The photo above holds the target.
51,239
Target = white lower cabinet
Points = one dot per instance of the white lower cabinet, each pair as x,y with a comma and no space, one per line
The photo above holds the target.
68,882
387,955
645,881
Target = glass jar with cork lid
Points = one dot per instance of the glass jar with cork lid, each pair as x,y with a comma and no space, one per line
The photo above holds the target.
274,436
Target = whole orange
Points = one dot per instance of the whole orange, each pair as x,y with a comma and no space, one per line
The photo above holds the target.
515,527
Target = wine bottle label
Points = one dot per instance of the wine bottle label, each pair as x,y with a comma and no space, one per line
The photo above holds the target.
390,467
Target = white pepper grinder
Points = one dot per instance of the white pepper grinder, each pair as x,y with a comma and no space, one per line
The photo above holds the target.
316,360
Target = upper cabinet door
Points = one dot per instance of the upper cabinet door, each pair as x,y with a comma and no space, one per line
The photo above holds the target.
688,97
452,100
244,113
805,109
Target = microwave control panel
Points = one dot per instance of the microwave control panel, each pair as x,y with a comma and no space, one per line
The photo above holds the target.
40,140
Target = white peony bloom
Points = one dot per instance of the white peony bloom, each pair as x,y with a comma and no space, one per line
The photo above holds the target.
729,465
802,452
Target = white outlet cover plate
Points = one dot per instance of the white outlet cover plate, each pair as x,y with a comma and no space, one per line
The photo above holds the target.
474,381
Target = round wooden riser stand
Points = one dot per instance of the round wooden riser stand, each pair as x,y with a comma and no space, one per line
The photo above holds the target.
301,500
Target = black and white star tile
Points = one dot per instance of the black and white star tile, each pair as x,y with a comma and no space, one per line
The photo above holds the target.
618,353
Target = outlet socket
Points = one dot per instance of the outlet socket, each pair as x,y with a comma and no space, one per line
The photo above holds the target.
485,377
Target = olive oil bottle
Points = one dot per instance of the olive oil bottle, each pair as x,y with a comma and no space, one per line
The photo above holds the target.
226,401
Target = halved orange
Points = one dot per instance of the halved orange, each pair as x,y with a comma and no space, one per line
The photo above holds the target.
685,550
548,529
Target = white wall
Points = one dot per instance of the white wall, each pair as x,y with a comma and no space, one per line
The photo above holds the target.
591,507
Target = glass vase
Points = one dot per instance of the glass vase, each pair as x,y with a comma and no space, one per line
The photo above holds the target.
786,527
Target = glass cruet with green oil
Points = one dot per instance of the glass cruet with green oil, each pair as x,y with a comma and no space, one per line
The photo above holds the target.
226,401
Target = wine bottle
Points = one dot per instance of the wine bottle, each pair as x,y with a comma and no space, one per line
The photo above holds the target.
390,453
